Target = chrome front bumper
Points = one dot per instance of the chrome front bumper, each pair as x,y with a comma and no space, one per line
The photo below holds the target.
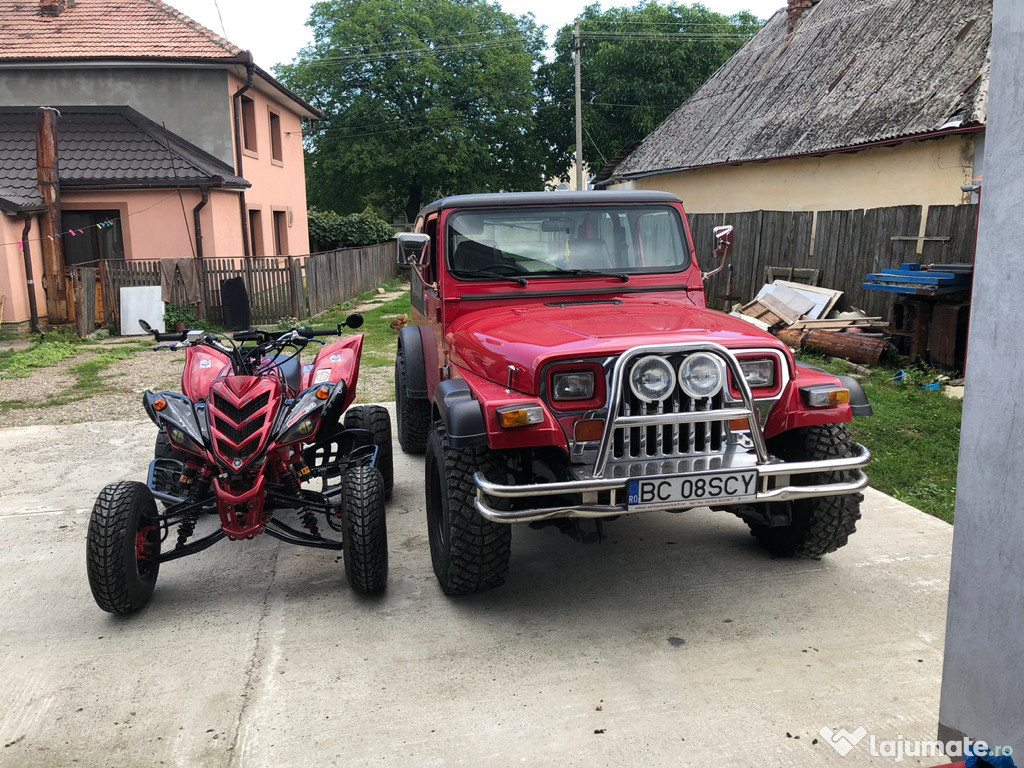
616,489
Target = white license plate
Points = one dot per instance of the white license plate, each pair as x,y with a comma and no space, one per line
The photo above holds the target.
692,490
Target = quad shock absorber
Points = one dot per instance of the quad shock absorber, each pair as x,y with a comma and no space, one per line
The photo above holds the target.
291,483
198,484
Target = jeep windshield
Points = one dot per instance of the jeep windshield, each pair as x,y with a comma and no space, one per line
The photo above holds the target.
580,241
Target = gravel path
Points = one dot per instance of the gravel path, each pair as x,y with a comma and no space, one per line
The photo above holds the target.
125,381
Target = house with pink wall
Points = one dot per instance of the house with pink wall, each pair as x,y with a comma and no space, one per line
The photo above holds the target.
165,141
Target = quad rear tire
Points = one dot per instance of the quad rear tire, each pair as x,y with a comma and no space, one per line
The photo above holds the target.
413,412
469,553
377,420
820,525
123,547
364,532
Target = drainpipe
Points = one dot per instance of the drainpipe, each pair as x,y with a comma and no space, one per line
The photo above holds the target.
250,70
29,281
197,221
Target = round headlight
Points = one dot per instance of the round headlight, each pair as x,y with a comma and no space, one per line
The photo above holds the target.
701,375
652,378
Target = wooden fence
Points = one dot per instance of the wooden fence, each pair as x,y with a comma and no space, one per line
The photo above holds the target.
277,287
844,246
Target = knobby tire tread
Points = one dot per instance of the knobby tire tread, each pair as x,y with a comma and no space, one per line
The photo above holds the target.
478,550
377,420
364,529
824,524
113,573
413,413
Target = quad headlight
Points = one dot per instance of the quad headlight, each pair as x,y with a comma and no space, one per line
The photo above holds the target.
701,375
652,379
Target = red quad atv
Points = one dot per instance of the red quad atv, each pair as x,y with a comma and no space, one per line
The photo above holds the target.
252,426
562,364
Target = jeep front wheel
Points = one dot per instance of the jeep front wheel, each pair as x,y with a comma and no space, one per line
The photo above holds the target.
820,525
469,553
413,413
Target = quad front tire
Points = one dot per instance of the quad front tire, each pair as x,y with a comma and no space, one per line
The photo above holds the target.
819,525
364,532
123,547
377,420
413,412
469,553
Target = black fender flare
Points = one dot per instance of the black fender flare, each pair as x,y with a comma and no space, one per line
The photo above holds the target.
410,342
858,400
859,404
462,414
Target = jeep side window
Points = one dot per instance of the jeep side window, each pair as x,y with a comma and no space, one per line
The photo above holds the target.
430,273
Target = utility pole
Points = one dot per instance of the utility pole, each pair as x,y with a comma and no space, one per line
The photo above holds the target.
577,48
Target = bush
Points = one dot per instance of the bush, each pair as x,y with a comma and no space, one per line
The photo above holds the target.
329,230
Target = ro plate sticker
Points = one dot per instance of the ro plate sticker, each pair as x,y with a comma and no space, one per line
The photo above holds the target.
206,363
335,358
322,375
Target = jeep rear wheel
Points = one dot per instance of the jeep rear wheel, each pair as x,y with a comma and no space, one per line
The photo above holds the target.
123,547
820,525
413,412
377,420
469,553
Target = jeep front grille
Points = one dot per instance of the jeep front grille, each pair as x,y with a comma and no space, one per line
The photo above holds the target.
701,438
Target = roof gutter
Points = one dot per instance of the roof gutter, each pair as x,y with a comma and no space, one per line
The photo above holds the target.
820,153
236,103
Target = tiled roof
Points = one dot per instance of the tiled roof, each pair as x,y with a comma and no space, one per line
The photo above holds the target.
101,147
854,72
122,29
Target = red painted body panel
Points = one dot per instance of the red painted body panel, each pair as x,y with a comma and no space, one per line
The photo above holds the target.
481,328
531,336
202,367
335,363
238,393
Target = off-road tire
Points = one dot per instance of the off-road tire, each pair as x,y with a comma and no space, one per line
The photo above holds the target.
819,525
377,420
120,582
469,553
413,412
364,532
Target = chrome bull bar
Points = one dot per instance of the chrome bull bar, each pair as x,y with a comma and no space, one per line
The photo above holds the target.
618,487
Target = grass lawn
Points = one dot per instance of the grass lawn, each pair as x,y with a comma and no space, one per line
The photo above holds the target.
914,437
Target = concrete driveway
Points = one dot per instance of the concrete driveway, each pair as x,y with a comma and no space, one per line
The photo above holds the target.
676,642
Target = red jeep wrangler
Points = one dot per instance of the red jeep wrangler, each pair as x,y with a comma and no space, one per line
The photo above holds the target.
561,364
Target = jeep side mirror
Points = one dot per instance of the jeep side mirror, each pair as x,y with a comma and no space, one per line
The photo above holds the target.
723,246
413,249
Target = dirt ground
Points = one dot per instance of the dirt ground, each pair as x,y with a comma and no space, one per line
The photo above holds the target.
125,381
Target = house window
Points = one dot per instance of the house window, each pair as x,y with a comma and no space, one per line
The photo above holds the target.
248,124
276,150
281,232
91,243
256,233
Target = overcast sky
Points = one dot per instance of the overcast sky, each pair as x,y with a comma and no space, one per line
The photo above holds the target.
275,35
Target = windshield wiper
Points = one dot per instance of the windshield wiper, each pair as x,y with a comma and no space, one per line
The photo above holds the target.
488,273
591,273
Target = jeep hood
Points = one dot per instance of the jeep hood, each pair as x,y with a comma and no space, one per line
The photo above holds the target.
488,341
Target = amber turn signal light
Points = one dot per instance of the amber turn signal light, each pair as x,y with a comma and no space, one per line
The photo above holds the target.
588,430
323,393
159,404
520,416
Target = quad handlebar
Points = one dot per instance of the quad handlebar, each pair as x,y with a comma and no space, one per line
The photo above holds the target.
249,358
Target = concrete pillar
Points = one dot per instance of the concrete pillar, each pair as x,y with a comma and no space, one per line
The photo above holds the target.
983,674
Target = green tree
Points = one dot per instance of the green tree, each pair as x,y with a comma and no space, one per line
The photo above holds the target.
423,98
637,65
